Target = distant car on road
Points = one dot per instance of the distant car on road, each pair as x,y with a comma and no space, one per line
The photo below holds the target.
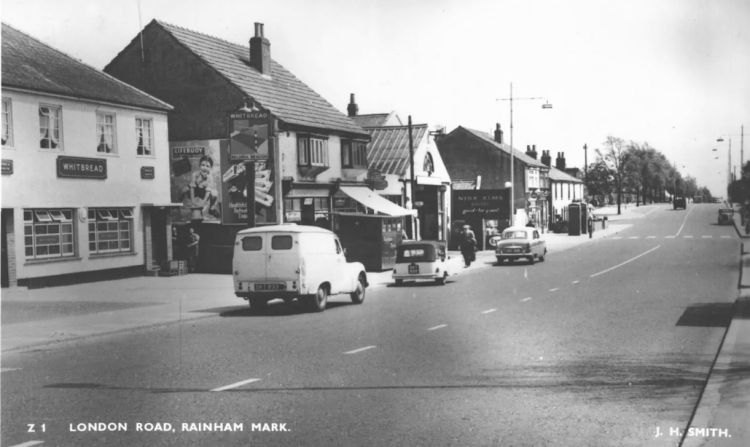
294,261
519,243
725,216
678,202
421,260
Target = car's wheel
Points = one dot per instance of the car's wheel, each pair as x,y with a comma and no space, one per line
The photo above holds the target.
317,302
441,281
541,258
399,282
500,260
531,259
359,294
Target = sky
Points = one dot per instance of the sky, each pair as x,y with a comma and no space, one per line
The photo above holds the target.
671,73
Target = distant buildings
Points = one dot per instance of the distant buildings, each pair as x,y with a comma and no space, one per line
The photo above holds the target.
85,170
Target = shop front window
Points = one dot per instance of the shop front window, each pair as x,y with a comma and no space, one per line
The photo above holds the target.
110,230
48,233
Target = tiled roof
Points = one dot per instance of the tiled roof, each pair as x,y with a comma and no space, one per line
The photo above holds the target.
519,155
288,98
562,176
32,65
388,150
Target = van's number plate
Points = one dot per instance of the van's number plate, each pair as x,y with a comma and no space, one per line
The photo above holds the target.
269,286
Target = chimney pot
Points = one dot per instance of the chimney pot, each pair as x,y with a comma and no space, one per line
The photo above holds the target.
260,51
498,134
352,108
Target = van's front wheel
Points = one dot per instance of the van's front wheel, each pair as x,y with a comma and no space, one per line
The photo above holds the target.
317,302
359,293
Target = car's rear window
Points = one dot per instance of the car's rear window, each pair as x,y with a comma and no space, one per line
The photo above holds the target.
281,242
514,235
424,253
252,243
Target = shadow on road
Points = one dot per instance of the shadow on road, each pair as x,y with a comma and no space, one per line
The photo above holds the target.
275,308
707,315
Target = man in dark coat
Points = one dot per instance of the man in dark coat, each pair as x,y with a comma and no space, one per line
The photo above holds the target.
468,245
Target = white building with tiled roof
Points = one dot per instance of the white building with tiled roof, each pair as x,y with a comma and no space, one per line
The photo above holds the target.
85,170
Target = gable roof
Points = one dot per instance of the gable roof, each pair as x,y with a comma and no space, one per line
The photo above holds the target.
29,64
562,176
487,138
388,150
285,96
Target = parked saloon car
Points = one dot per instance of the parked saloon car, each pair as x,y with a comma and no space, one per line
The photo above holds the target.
420,260
725,216
294,261
519,243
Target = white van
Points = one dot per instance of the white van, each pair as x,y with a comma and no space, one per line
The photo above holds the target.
294,261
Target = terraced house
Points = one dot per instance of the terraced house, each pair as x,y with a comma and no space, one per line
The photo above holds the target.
85,170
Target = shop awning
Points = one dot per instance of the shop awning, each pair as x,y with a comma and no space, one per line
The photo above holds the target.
375,201
300,193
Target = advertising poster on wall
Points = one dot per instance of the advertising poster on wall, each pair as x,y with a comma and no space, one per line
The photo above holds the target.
195,180
233,189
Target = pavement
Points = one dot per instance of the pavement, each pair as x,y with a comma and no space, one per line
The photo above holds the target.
33,318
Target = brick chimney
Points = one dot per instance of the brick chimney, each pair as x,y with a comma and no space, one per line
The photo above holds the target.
498,134
260,51
560,161
531,151
352,108
546,159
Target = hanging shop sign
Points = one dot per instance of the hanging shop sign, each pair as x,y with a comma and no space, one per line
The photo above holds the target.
249,131
80,167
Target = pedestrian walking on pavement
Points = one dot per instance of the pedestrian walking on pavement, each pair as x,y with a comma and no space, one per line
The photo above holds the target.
468,245
590,224
192,246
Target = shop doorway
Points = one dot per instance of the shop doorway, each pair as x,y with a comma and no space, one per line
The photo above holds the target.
159,236
427,201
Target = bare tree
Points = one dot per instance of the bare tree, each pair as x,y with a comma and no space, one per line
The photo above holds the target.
614,157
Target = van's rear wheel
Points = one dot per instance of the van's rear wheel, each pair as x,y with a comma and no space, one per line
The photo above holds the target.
359,294
317,302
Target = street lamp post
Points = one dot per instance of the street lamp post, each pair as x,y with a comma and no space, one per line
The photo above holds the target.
510,99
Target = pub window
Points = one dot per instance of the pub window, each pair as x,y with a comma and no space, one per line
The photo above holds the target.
428,165
110,230
105,133
353,154
50,127
144,135
312,151
48,233
7,122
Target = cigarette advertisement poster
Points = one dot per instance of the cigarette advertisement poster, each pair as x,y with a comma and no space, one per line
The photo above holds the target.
195,180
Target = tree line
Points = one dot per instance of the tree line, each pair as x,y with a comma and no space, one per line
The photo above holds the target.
636,173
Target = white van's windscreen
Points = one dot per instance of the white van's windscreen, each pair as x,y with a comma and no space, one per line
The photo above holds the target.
281,242
252,243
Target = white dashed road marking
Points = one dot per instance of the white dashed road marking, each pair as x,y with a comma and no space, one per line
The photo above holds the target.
9,369
633,237
235,385
670,237
554,289
489,311
355,351
575,282
528,298
650,237
726,236
439,326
